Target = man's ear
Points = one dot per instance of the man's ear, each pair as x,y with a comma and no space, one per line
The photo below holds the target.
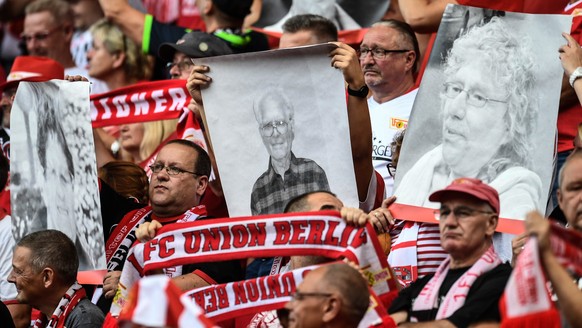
331,308
492,224
48,277
202,185
410,60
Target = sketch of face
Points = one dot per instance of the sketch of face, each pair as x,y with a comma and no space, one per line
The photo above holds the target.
472,135
59,182
276,127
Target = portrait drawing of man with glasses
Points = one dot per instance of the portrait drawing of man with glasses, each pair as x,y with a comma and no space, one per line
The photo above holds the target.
489,114
287,175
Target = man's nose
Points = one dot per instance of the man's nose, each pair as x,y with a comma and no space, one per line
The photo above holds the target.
450,220
11,278
368,59
457,106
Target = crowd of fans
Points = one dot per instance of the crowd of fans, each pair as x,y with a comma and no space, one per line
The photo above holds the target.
453,273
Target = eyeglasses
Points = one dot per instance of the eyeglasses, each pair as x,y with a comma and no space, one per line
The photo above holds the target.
171,170
41,36
475,99
182,65
391,169
460,213
268,129
378,53
299,296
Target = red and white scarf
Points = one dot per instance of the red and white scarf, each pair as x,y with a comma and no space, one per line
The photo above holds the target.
314,233
72,297
527,301
155,302
236,299
142,102
456,296
123,236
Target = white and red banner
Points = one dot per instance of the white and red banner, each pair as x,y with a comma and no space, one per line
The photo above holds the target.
241,298
527,301
315,233
142,102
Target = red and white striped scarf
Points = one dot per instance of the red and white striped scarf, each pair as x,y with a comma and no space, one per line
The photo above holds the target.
155,301
315,233
72,297
527,301
456,296
123,236
235,299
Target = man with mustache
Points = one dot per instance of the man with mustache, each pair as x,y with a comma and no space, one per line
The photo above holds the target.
388,57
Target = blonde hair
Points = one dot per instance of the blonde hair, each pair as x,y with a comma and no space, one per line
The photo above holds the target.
154,134
136,65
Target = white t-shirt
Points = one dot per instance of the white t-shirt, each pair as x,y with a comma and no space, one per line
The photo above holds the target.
388,119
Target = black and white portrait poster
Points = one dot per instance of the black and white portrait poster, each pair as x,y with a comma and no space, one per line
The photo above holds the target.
346,14
278,124
487,109
53,169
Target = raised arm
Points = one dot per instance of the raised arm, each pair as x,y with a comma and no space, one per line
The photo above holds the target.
569,296
424,15
130,20
571,58
345,58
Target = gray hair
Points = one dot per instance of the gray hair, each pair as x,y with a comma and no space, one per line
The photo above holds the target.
273,93
52,248
511,66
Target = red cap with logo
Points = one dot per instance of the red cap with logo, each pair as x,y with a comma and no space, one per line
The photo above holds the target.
33,69
472,187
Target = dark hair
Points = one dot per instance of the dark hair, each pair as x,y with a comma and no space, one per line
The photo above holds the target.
52,248
126,178
202,165
352,287
299,203
406,33
322,28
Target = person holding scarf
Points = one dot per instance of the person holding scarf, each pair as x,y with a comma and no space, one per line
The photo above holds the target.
44,270
552,254
467,286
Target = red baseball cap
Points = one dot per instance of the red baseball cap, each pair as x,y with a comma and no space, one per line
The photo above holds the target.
472,187
33,69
